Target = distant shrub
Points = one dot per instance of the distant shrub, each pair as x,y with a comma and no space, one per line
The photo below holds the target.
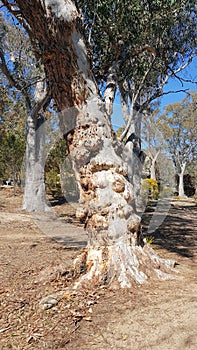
149,189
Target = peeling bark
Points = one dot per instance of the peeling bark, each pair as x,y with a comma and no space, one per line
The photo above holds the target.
120,265
116,250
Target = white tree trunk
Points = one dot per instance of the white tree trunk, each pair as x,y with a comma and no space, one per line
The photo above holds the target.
34,197
153,165
152,171
181,180
110,92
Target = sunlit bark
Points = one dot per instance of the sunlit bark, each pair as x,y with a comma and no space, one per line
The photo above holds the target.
181,180
34,197
153,165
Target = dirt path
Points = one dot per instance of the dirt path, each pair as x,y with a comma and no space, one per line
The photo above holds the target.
158,315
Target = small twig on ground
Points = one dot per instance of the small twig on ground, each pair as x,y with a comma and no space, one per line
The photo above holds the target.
5,329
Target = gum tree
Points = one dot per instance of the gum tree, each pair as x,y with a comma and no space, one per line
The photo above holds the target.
25,76
116,251
179,126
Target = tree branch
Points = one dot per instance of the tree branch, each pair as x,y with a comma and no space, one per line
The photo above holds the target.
174,73
7,73
161,93
134,100
39,105
18,15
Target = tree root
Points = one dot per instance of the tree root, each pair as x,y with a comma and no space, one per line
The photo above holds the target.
120,264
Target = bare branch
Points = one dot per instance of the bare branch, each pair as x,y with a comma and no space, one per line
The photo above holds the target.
160,93
184,65
174,73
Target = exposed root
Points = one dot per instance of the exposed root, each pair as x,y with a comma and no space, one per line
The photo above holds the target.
120,264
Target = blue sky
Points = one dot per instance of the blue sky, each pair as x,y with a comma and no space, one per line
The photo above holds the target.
189,73
174,84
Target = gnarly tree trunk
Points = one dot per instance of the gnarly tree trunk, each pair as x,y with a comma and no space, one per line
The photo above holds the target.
116,251
181,180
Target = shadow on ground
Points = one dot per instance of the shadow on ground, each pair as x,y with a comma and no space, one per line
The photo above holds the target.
178,233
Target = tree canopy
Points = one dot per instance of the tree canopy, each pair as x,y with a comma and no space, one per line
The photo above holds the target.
12,135
140,39
179,127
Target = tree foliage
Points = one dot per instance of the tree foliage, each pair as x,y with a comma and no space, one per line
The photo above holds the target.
53,166
19,71
179,127
17,61
139,38
12,135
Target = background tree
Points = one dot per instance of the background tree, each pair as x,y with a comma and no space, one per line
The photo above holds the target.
12,136
26,77
192,171
179,126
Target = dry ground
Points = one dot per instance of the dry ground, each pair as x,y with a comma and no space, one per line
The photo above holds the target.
157,315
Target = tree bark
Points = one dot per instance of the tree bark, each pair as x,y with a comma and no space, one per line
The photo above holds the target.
153,164
110,92
116,251
152,170
181,181
34,189
34,197
133,154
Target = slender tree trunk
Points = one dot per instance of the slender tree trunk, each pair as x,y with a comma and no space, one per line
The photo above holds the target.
110,92
152,170
34,197
116,251
153,165
133,154
181,181
124,99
